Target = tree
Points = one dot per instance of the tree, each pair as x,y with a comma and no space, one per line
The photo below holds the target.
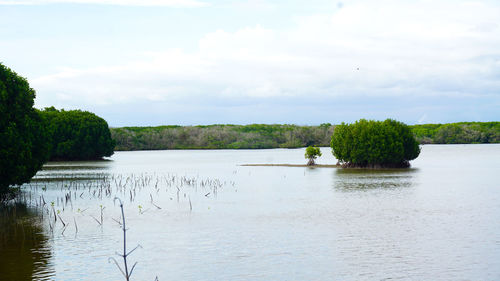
312,152
23,141
368,143
77,135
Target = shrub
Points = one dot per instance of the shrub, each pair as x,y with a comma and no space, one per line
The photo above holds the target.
368,143
312,153
23,141
77,135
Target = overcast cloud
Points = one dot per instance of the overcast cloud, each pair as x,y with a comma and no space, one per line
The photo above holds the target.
416,61
145,3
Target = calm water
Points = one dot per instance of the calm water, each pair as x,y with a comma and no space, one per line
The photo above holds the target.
198,215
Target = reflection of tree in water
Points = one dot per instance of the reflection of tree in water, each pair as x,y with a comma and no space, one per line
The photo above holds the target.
24,250
365,179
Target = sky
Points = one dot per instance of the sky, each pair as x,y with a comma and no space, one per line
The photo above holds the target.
194,62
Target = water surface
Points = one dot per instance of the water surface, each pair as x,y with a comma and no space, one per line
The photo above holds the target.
198,215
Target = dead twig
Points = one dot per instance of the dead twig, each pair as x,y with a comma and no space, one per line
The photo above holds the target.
126,273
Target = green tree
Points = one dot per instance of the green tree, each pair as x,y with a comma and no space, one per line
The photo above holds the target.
77,135
312,152
23,141
462,132
368,143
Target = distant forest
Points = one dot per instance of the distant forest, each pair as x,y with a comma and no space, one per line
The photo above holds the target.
282,136
456,133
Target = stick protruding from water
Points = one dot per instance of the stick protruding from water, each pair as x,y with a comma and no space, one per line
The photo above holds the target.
126,273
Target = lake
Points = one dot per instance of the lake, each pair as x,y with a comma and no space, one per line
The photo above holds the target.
199,215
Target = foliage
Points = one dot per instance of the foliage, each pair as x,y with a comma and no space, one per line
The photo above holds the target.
312,152
368,143
278,136
77,135
23,145
221,137
454,133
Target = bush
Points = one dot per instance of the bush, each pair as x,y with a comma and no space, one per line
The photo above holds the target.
368,143
77,135
24,143
312,153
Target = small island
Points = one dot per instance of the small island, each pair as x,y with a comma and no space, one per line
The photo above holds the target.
366,144
293,165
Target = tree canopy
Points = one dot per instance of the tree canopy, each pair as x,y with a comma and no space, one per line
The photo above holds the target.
23,141
462,132
254,136
312,152
368,143
77,135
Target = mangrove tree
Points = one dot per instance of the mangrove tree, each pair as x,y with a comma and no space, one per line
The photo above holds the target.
374,144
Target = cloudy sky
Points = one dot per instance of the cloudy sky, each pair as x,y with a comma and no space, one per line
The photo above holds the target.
189,62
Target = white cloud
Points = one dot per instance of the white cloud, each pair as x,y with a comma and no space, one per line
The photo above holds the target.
255,5
366,49
146,3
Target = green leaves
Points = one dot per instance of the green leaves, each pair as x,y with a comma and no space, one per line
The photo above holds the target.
462,132
29,136
312,152
77,135
221,136
23,141
374,143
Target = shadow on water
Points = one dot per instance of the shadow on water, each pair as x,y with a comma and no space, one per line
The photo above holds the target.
25,253
74,177
369,179
73,167
70,166
73,171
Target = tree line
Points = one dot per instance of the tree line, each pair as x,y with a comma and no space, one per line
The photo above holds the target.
282,136
221,137
457,133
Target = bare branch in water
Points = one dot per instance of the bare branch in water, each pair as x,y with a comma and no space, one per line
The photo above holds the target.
125,272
